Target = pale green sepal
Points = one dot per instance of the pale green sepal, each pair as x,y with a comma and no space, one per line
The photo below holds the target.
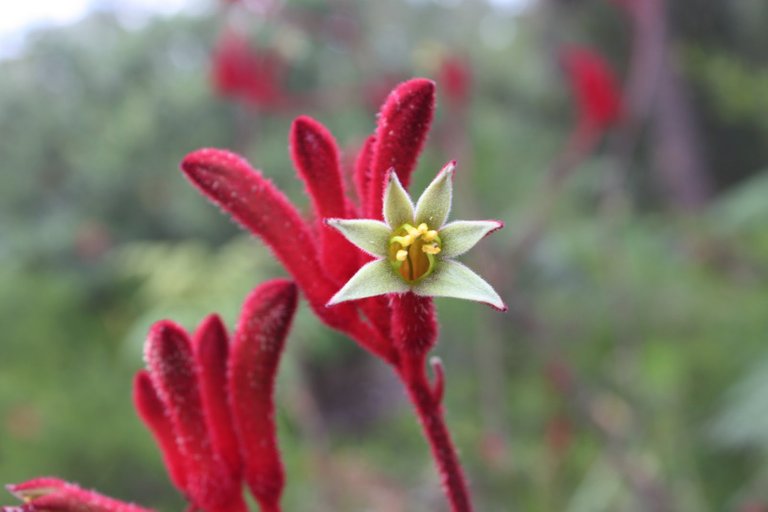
460,236
434,204
31,494
374,278
452,279
398,208
370,235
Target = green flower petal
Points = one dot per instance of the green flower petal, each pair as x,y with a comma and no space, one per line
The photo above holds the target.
435,203
452,279
460,236
398,208
370,235
373,278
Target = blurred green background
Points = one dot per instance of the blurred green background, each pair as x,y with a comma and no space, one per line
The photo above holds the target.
631,372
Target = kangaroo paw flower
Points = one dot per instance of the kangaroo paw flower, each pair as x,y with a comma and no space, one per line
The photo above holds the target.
258,344
175,375
414,247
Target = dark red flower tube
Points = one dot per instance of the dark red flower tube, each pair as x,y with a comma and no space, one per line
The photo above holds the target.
54,495
316,158
595,88
169,357
414,325
258,343
230,182
152,412
404,121
211,349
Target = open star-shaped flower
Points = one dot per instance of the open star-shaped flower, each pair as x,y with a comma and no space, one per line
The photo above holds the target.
414,247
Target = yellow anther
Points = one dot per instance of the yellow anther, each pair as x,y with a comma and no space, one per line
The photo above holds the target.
431,249
422,228
429,235
412,230
401,255
404,241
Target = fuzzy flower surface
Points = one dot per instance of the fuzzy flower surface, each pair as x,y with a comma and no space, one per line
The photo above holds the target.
414,248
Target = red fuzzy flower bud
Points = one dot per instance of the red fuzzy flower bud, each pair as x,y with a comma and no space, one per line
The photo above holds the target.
172,368
404,121
230,182
211,349
154,415
54,495
258,344
316,158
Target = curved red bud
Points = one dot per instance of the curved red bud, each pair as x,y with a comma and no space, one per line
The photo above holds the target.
55,495
171,364
152,412
229,181
211,349
316,158
404,121
258,342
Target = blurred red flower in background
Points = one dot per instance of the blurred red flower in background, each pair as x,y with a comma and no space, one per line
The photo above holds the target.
455,80
248,74
595,88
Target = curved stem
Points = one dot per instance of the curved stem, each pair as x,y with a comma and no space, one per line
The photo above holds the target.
430,412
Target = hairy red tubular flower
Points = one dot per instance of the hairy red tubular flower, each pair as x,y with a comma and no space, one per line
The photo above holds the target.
210,406
54,495
210,343
258,344
316,158
401,335
402,129
594,86
172,368
230,182
152,412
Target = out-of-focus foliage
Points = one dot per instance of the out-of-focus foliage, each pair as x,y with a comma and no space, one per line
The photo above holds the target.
660,317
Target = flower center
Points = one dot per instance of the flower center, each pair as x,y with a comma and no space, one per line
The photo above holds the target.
412,251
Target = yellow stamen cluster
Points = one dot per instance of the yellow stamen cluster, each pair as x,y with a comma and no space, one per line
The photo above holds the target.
423,232
412,250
